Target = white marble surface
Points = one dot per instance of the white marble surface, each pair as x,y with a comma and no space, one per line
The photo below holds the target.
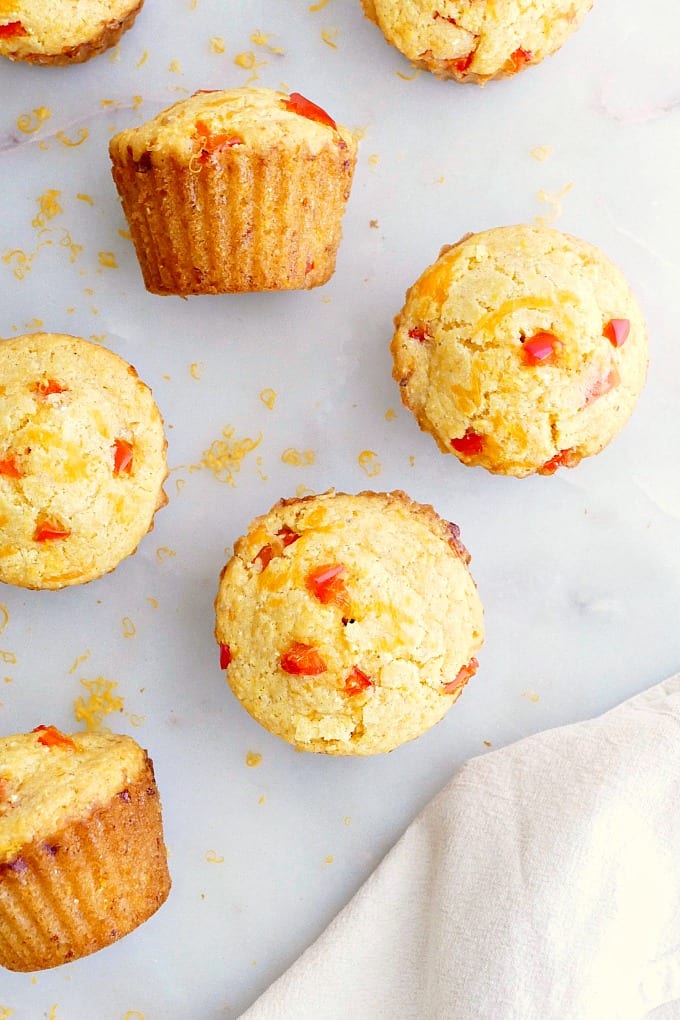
579,573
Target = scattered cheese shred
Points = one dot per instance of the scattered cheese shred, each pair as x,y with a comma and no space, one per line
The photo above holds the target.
212,857
253,759
532,696
195,370
85,198
268,398
153,601
262,39
81,658
143,59
48,207
368,462
553,199
225,456
164,553
9,657
29,123
175,67
390,414
542,152
108,260
129,629
329,36
100,702
329,859
409,77
136,720
4,617
298,458
217,44
318,6
374,159
83,134
6,1012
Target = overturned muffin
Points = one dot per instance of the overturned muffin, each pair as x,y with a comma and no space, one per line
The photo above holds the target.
239,190
521,349
348,624
82,460
82,857
65,31
476,40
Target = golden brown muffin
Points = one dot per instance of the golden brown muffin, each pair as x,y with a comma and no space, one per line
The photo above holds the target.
82,460
520,349
348,624
476,40
65,32
82,857
240,190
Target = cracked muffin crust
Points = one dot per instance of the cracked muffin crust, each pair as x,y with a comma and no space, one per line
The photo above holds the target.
65,32
82,856
476,40
521,349
82,460
348,624
235,190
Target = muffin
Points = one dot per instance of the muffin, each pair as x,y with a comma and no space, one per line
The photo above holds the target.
521,349
82,460
476,40
348,624
82,857
65,32
239,190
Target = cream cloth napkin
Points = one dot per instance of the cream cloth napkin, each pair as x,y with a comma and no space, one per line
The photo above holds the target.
542,882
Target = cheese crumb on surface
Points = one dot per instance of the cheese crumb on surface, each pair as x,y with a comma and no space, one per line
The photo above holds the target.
217,44
48,207
107,259
531,696
318,6
262,39
329,36
298,458
195,370
225,456
143,59
390,414
29,123
542,152
8,657
253,759
81,658
129,629
72,143
554,201
369,463
212,857
4,617
164,553
100,702
268,398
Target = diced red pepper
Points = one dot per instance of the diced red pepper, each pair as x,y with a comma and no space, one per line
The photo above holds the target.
462,676
122,457
519,58
287,535
565,458
540,349
264,557
50,736
302,660
46,387
47,531
470,445
210,143
603,385
420,333
461,64
225,656
357,681
12,29
616,331
8,468
326,584
296,103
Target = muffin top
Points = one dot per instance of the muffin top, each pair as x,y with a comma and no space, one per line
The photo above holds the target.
28,27
348,623
82,460
48,779
477,39
521,349
209,122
